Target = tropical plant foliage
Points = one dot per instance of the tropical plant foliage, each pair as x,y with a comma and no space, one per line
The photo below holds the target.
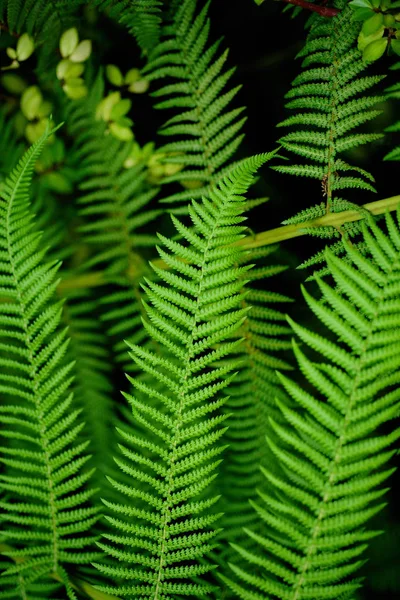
167,429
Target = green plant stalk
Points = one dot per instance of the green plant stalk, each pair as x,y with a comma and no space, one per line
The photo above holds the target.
265,238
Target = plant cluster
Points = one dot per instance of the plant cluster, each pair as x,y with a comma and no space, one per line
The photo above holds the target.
250,451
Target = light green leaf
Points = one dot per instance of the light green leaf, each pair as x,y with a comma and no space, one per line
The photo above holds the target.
114,75
30,102
25,47
132,76
395,45
375,50
121,133
81,52
373,24
68,42
13,83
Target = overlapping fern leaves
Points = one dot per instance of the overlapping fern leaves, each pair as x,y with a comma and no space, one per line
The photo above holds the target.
41,18
331,447
206,134
114,210
142,17
167,523
45,506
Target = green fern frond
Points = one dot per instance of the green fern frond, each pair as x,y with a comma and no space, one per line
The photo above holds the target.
93,389
331,102
114,197
331,447
194,315
142,17
46,510
43,19
251,399
394,92
205,134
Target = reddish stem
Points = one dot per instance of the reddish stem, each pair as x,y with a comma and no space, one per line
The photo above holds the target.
323,11
3,27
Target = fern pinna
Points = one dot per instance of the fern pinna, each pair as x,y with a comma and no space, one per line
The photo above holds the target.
194,315
45,505
330,446
207,134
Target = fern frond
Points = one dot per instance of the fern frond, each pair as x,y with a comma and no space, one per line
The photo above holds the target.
252,399
113,198
162,537
43,19
331,102
93,388
45,506
394,92
205,133
141,17
331,447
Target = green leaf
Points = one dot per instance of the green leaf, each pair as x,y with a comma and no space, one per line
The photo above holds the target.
373,24
375,50
361,4
120,132
13,83
68,42
30,102
114,75
395,45
81,52
25,47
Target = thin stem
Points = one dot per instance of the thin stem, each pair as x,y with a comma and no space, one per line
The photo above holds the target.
265,238
323,11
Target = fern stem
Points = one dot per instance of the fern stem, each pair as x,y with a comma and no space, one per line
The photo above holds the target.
323,11
287,232
265,238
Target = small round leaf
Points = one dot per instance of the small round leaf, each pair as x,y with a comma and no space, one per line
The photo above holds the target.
114,75
81,52
68,42
13,83
25,47
121,133
31,100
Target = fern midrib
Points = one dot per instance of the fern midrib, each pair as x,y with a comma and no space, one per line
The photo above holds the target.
331,128
335,463
33,373
182,401
204,140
